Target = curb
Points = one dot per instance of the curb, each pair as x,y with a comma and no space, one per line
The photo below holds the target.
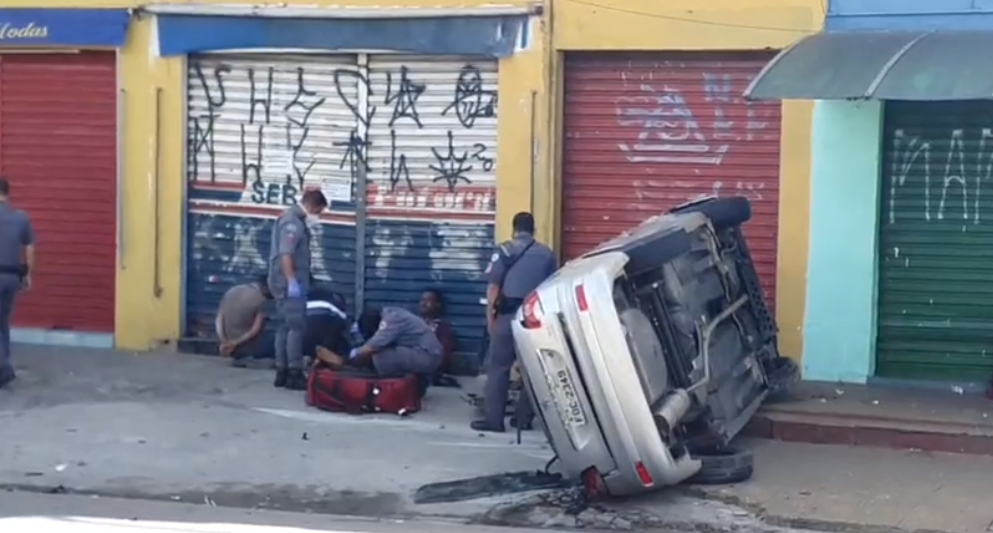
818,428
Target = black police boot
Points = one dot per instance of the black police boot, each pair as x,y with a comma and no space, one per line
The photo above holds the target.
482,425
295,380
280,381
7,376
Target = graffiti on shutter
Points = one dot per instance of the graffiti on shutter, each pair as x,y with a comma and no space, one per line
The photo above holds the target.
696,120
432,183
951,180
261,130
433,137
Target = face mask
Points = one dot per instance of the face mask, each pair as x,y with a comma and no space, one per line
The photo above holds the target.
313,221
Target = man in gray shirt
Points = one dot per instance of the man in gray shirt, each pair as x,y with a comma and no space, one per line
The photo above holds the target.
16,265
289,280
517,267
241,321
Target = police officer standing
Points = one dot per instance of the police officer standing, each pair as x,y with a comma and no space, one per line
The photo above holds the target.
517,267
289,279
16,266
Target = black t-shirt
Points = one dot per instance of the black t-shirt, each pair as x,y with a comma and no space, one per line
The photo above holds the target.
329,330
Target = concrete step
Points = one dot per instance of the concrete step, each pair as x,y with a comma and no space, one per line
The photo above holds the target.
859,429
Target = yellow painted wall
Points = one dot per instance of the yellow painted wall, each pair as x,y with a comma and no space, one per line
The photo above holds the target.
653,25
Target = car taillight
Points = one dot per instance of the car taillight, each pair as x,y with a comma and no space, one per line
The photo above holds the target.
581,298
593,483
532,312
643,475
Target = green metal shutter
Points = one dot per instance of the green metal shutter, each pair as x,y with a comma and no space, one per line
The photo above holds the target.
936,242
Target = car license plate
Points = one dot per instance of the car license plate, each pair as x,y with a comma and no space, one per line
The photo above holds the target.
563,391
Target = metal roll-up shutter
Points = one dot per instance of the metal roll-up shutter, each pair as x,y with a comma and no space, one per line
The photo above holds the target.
432,184
935,300
261,130
646,132
58,148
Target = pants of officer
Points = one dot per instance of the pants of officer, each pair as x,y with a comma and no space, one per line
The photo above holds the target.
289,335
406,360
9,286
501,359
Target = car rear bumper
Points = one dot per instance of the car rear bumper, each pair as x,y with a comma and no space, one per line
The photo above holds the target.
586,351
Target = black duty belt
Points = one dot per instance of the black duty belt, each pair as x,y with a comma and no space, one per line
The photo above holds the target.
17,270
509,306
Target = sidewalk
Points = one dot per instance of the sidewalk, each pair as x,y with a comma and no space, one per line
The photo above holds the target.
190,428
840,487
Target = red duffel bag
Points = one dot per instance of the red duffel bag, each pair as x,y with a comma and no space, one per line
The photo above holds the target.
357,392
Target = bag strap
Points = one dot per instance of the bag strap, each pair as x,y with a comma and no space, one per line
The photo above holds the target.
512,261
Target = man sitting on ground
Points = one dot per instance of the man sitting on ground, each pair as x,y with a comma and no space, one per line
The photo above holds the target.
399,343
240,323
432,310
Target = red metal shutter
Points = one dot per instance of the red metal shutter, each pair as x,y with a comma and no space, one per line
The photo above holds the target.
646,132
58,148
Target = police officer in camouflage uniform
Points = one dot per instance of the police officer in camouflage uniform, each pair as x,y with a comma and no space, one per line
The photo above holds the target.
516,269
289,280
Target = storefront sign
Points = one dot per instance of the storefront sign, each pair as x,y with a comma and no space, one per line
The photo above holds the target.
469,36
63,27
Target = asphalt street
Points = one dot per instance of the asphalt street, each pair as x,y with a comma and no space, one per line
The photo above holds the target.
23,512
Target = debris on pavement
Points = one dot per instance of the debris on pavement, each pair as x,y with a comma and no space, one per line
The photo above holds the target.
487,486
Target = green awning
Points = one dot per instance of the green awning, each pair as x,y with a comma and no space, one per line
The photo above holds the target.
880,65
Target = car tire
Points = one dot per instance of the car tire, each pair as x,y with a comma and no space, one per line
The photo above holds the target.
722,212
781,374
651,254
723,466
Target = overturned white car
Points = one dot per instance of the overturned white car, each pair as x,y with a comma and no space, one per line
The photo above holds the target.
647,355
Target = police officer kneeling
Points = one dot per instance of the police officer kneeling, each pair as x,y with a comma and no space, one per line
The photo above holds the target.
516,269
398,343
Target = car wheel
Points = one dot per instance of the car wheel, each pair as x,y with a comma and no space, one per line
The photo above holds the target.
650,254
723,466
781,373
722,212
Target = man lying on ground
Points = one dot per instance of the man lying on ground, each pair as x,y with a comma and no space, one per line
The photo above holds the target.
240,323
399,343
327,325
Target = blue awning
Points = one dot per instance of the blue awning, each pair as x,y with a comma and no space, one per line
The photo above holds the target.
880,65
486,36
68,28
